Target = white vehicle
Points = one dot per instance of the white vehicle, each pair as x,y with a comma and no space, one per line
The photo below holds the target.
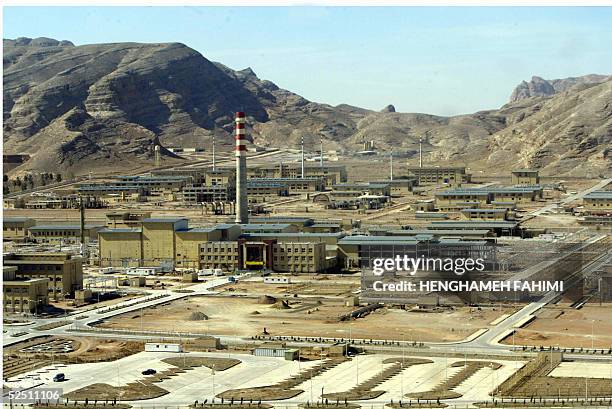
206,272
219,272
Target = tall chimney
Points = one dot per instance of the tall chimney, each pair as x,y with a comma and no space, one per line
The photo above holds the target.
303,173
242,204
157,156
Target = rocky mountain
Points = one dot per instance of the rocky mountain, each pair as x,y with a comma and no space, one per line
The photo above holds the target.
539,87
105,106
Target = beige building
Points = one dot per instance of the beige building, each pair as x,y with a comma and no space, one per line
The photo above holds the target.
485,214
299,257
399,187
23,295
598,202
16,227
64,272
65,234
525,177
457,199
125,220
219,254
331,173
262,191
159,241
452,176
294,185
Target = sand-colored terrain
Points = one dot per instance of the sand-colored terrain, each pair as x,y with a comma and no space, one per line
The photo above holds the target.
246,316
567,327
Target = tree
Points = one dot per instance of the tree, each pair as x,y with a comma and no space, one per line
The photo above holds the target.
58,177
5,178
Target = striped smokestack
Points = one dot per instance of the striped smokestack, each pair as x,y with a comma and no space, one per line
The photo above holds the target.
242,206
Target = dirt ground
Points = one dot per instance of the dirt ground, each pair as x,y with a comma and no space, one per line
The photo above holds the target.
569,328
316,285
244,316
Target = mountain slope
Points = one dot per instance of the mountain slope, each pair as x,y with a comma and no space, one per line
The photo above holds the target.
105,106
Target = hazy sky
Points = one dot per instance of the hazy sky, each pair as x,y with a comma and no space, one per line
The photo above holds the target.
444,61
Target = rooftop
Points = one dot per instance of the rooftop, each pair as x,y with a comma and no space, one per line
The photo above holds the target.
63,227
164,220
16,219
120,230
599,194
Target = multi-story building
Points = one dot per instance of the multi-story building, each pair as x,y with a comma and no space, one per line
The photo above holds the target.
373,188
294,185
485,214
194,194
399,187
64,272
452,176
219,254
15,228
64,234
23,295
299,257
598,202
125,220
261,191
331,173
456,199
525,177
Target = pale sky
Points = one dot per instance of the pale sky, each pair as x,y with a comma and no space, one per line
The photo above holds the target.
437,60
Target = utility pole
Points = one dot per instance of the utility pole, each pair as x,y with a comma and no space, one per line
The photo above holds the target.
303,173
83,244
213,154
321,151
420,151
391,161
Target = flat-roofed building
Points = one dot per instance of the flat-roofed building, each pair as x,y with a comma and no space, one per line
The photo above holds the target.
598,202
485,214
160,241
155,184
126,220
331,173
187,253
522,194
16,227
194,194
525,177
399,187
261,191
299,221
299,257
499,227
64,234
219,254
197,175
295,185
424,205
23,295
452,176
220,176
255,228
64,272
323,228
455,199
373,188
120,247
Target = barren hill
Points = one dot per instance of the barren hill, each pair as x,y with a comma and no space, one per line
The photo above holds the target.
104,106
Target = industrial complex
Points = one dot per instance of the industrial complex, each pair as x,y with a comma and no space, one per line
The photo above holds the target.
251,278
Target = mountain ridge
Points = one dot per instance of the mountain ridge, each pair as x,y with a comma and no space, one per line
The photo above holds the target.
77,108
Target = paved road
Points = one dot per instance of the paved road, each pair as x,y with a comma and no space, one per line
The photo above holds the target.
570,198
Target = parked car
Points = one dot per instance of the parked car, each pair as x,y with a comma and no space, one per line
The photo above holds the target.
149,372
60,377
